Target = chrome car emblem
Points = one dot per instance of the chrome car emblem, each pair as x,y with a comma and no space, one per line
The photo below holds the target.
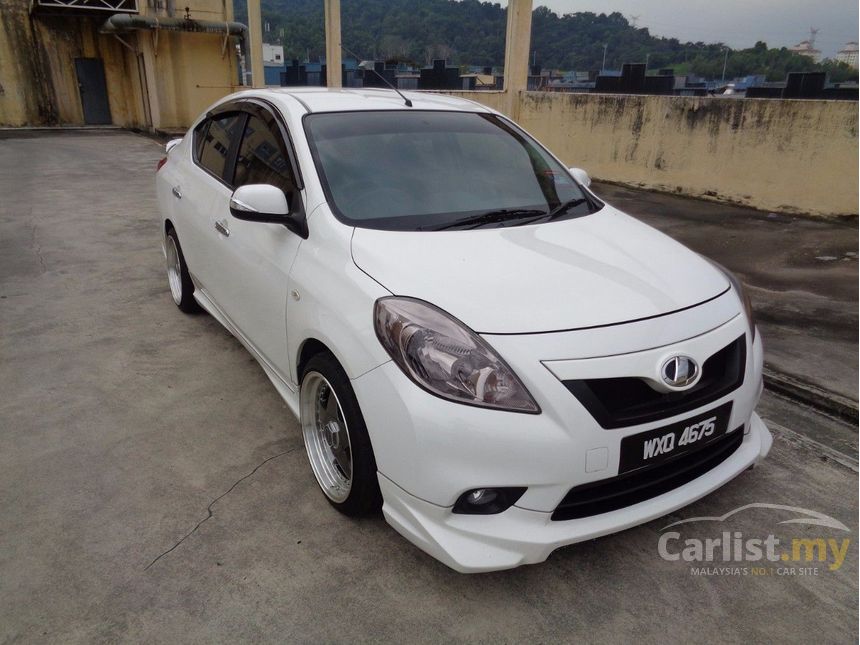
680,371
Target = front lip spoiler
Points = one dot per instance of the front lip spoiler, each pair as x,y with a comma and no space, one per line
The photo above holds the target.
481,543
612,324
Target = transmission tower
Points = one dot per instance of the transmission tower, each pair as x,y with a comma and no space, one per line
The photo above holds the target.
634,20
813,32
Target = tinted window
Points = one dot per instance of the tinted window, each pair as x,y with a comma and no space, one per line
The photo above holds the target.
217,141
412,169
199,138
263,156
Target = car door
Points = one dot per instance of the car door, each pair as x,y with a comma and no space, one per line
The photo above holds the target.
200,191
254,258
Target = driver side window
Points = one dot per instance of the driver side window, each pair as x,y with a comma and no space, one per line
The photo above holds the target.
262,157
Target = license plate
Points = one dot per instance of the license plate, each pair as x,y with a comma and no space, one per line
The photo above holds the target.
668,442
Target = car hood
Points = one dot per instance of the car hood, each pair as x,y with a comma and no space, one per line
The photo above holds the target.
600,269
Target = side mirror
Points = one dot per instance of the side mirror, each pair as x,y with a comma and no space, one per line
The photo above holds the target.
267,203
259,203
581,176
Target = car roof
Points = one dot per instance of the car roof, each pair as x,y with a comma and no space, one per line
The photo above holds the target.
322,99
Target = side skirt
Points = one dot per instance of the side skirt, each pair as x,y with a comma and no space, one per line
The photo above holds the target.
288,391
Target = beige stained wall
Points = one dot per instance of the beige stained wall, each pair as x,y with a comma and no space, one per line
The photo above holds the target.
188,74
184,72
81,39
792,156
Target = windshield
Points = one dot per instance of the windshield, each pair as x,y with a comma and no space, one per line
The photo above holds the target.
421,170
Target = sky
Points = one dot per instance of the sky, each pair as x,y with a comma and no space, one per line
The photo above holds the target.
738,23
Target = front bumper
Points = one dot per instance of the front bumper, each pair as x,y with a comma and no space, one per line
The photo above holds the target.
475,543
429,451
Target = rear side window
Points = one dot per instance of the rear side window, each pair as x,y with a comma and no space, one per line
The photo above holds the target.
263,156
199,138
216,143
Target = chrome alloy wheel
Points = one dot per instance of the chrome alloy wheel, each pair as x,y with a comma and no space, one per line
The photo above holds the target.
326,437
174,269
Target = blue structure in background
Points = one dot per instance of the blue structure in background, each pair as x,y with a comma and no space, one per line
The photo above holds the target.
272,73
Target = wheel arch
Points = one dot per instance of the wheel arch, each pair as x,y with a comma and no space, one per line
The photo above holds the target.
165,231
309,348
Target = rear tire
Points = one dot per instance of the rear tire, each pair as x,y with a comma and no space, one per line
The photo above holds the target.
178,278
336,438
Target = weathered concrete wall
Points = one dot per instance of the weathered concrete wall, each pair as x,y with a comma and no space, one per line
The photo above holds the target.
37,69
166,83
188,74
23,70
787,156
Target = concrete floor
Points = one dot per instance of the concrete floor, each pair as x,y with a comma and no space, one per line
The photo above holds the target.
129,431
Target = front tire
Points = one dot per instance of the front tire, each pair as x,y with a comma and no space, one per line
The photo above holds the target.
181,286
336,438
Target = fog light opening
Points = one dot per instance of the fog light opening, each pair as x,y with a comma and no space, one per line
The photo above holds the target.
488,501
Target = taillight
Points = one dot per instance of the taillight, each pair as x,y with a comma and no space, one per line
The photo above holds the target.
161,162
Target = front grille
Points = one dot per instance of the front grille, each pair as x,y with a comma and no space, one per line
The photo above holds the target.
628,401
631,488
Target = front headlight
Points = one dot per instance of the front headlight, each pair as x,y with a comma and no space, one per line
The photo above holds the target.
738,286
446,358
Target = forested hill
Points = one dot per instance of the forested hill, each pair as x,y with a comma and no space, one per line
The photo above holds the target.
470,32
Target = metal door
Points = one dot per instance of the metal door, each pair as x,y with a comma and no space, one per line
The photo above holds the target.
91,82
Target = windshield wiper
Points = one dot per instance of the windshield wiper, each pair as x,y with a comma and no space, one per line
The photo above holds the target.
490,217
561,209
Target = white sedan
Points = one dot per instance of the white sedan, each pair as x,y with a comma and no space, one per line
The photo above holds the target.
472,340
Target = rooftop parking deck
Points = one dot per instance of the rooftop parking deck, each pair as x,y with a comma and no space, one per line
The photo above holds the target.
154,488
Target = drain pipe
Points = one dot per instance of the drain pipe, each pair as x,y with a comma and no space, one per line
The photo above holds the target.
123,22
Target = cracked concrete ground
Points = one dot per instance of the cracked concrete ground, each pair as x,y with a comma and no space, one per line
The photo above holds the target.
153,487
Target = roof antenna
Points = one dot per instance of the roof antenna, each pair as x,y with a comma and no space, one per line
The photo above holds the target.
367,65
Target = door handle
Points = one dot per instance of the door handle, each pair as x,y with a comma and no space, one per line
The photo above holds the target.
222,228
176,193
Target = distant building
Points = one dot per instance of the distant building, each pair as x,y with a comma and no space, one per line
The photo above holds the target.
478,81
634,80
407,80
273,63
807,48
439,76
314,73
804,85
848,54
273,54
